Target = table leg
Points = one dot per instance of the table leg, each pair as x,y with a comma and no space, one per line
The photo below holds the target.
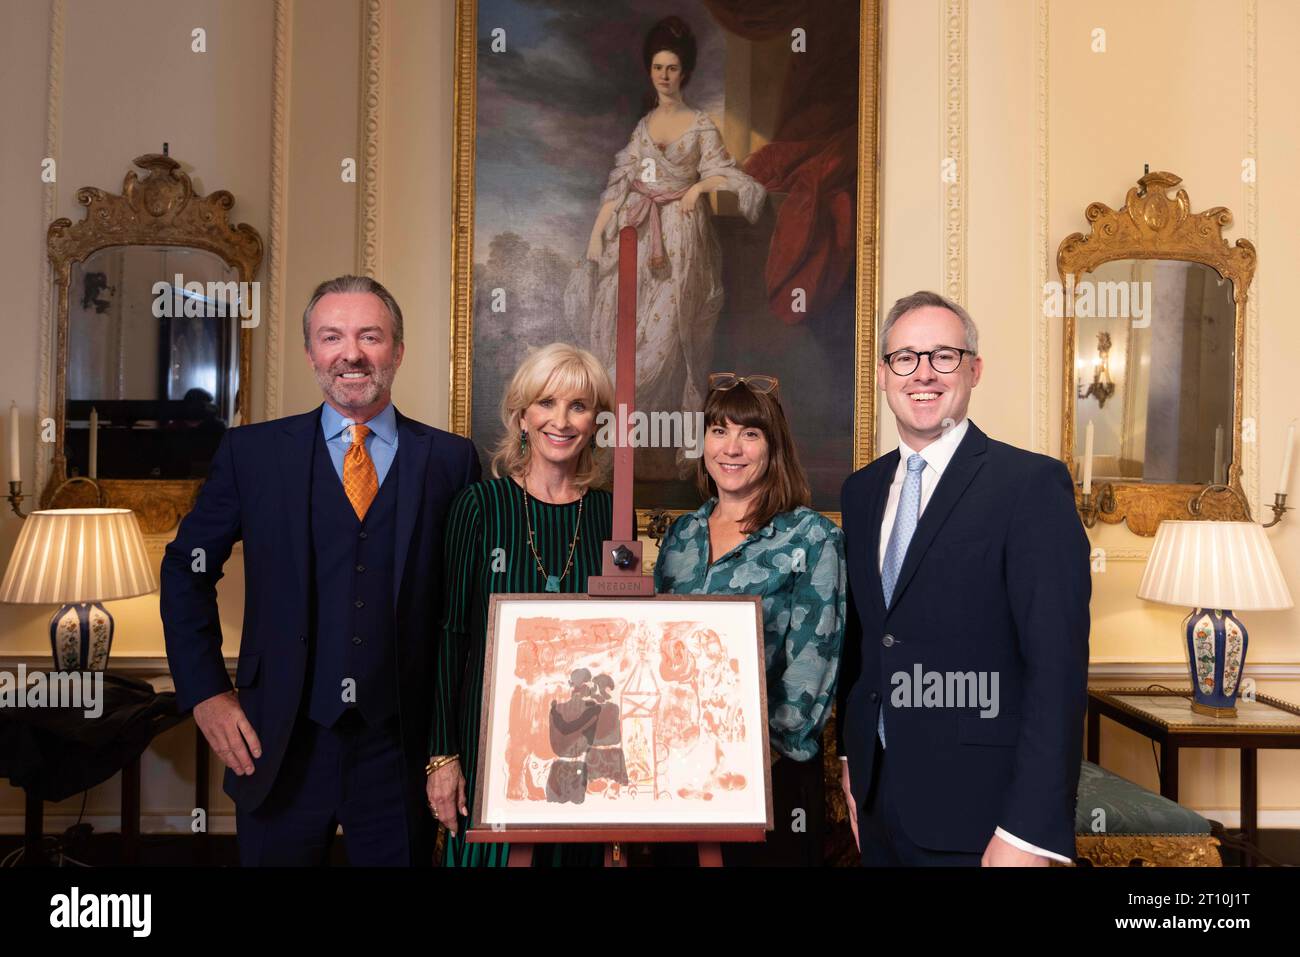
33,831
202,765
1169,771
1094,734
131,813
1250,800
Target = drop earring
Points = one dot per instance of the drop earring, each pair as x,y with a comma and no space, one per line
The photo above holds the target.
523,441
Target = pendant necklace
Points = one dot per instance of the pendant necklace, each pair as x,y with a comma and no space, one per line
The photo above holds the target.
552,581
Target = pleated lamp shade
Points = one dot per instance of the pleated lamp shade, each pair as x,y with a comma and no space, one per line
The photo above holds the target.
71,555
1214,565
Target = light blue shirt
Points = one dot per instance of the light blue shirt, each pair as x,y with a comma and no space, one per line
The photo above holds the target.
381,443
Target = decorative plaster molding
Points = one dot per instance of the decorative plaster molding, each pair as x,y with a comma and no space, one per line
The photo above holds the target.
1172,671
1125,554
277,234
953,170
1041,251
1250,395
45,368
372,88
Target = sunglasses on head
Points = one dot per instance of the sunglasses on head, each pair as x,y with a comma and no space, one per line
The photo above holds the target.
759,384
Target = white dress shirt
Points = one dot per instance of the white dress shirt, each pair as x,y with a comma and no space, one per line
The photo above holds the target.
937,455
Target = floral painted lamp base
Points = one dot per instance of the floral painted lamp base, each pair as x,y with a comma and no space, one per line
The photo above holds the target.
81,634
1216,645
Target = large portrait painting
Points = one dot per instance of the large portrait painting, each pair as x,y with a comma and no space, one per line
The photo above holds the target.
754,205
614,712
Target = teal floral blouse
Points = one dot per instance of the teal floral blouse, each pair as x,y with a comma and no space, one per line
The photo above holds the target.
796,563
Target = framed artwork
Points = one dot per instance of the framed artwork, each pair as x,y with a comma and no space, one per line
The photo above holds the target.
611,714
773,270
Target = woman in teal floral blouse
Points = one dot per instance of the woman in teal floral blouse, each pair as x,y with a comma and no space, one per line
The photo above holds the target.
756,535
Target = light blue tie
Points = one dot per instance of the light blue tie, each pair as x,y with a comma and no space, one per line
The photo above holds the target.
909,510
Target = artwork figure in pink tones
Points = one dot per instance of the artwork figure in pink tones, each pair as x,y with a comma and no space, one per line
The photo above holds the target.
620,711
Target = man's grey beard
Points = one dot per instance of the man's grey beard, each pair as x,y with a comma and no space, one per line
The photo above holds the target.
381,380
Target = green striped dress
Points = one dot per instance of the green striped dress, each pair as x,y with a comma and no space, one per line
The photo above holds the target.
487,553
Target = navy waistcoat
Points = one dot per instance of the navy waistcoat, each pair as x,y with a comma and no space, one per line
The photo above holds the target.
353,633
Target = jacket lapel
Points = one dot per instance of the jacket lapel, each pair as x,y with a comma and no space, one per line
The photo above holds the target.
877,498
412,463
295,454
966,461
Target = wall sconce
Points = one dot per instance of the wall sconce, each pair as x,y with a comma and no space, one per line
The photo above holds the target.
1102,387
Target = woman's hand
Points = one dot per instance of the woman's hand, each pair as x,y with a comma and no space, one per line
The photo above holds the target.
848,799
596,245
445,788
691,198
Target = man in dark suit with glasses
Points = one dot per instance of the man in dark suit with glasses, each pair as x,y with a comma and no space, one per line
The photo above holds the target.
965,674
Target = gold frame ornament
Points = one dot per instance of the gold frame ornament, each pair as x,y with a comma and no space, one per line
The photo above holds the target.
1153,225
461,349
161,209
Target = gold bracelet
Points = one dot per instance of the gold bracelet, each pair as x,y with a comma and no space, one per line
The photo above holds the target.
440,762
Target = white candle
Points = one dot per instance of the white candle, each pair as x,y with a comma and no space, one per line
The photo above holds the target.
15,464
1218,455
1285,480
1087,460
93,463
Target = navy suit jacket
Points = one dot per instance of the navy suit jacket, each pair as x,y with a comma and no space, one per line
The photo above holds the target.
257,493
996,579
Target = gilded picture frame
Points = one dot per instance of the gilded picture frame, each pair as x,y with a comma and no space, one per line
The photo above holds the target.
829,453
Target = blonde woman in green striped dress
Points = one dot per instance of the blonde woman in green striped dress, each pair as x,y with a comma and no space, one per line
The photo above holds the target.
543,472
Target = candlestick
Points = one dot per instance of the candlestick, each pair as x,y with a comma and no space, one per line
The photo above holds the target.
1087,460
15,463
92,465
1218,456
1285,479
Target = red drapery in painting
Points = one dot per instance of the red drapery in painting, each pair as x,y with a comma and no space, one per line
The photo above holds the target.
813,156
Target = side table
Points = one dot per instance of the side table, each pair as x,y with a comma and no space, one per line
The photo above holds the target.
1165,716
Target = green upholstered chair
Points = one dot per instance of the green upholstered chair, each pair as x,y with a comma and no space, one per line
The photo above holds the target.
1121,824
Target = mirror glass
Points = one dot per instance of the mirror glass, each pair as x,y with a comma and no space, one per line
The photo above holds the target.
1154,361
157,365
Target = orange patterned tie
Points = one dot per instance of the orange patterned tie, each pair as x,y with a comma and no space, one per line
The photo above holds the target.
359,479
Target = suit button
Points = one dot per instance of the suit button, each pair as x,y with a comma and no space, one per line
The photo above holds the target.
303,639
356,639
359,603
887,641
875,696
361,568
361,535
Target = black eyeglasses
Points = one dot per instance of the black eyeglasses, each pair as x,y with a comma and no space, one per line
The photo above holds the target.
943,359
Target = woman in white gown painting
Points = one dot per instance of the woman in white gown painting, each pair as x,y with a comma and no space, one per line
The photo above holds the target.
658,185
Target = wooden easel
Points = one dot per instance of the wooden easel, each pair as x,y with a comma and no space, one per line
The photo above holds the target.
622,576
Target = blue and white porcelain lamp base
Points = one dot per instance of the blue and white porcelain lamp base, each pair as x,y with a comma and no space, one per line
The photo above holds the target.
81,635
1216,647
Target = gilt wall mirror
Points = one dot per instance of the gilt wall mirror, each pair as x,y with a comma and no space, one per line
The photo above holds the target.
155,307
1154,305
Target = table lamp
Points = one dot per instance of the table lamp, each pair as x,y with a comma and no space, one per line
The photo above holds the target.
79,558
1214,567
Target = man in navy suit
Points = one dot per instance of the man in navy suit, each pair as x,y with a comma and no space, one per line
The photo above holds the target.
965,678
340,511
